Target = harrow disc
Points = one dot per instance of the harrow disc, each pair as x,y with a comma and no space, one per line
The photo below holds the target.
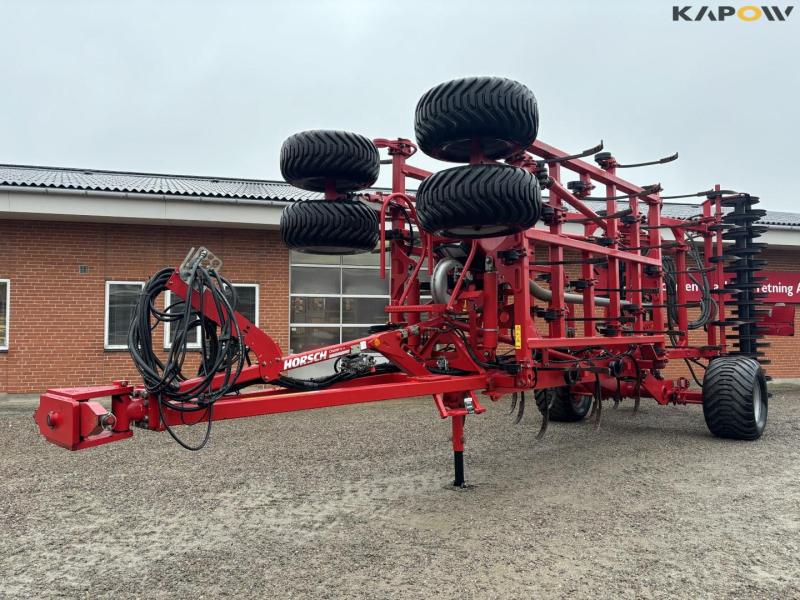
740,200
742,230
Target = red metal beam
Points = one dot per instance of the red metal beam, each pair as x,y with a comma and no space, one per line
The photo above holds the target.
559,240
365,391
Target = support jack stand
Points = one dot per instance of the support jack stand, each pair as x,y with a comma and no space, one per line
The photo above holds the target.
458,451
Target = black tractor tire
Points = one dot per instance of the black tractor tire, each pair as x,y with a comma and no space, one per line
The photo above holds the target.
475,201
330,227
565,407
735,398
499,115
312,159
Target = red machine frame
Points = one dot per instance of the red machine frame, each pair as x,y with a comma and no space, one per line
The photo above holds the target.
494,309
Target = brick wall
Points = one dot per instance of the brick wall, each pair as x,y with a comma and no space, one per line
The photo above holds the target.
57,314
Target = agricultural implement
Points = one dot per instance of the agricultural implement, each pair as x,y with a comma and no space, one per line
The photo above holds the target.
575,298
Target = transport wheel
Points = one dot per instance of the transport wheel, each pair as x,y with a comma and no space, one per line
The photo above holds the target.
310,159
475,201
735,398
564,406
329,227
498,115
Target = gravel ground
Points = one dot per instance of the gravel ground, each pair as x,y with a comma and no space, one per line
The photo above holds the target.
353,502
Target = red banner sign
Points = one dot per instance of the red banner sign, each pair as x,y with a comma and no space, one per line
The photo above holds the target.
781,286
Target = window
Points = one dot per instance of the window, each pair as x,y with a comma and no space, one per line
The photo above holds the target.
121,299
247,301
334,299
5,307
247,305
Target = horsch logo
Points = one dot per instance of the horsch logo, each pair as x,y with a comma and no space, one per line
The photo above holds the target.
746,13
305,359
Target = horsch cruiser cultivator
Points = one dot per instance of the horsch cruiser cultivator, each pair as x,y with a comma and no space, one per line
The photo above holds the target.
547,297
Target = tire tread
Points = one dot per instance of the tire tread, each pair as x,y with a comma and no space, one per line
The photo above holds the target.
309,158
316,224
478,196
728,387
476,108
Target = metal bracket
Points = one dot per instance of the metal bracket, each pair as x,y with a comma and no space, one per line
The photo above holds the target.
200,257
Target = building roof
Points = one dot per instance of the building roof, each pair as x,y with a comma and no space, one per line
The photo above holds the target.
676,210
149,183
25,176
687,210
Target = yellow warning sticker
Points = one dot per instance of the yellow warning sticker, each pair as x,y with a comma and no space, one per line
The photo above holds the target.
518,337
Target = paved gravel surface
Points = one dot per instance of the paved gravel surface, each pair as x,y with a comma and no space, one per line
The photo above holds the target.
352,502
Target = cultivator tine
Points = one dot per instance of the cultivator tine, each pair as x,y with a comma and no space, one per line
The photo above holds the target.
521,408
660,161
543,401
513,403
647,190
584,154
707,193
620,214
598,401
545,422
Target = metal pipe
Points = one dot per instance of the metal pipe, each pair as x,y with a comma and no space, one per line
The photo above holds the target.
440,294
439,291
541,293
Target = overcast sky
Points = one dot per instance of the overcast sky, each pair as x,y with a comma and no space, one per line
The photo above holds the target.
214,88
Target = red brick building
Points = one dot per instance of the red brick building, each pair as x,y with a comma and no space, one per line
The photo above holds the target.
76,245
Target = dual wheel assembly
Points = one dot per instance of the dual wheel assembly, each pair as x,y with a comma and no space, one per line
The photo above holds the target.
337,163
478,120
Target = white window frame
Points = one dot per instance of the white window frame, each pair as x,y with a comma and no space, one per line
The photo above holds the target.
340,295
257,287
106,345
5,343
197,345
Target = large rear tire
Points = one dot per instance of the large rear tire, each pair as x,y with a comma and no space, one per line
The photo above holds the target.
735,398
311,160
475,201
499,116
329,227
